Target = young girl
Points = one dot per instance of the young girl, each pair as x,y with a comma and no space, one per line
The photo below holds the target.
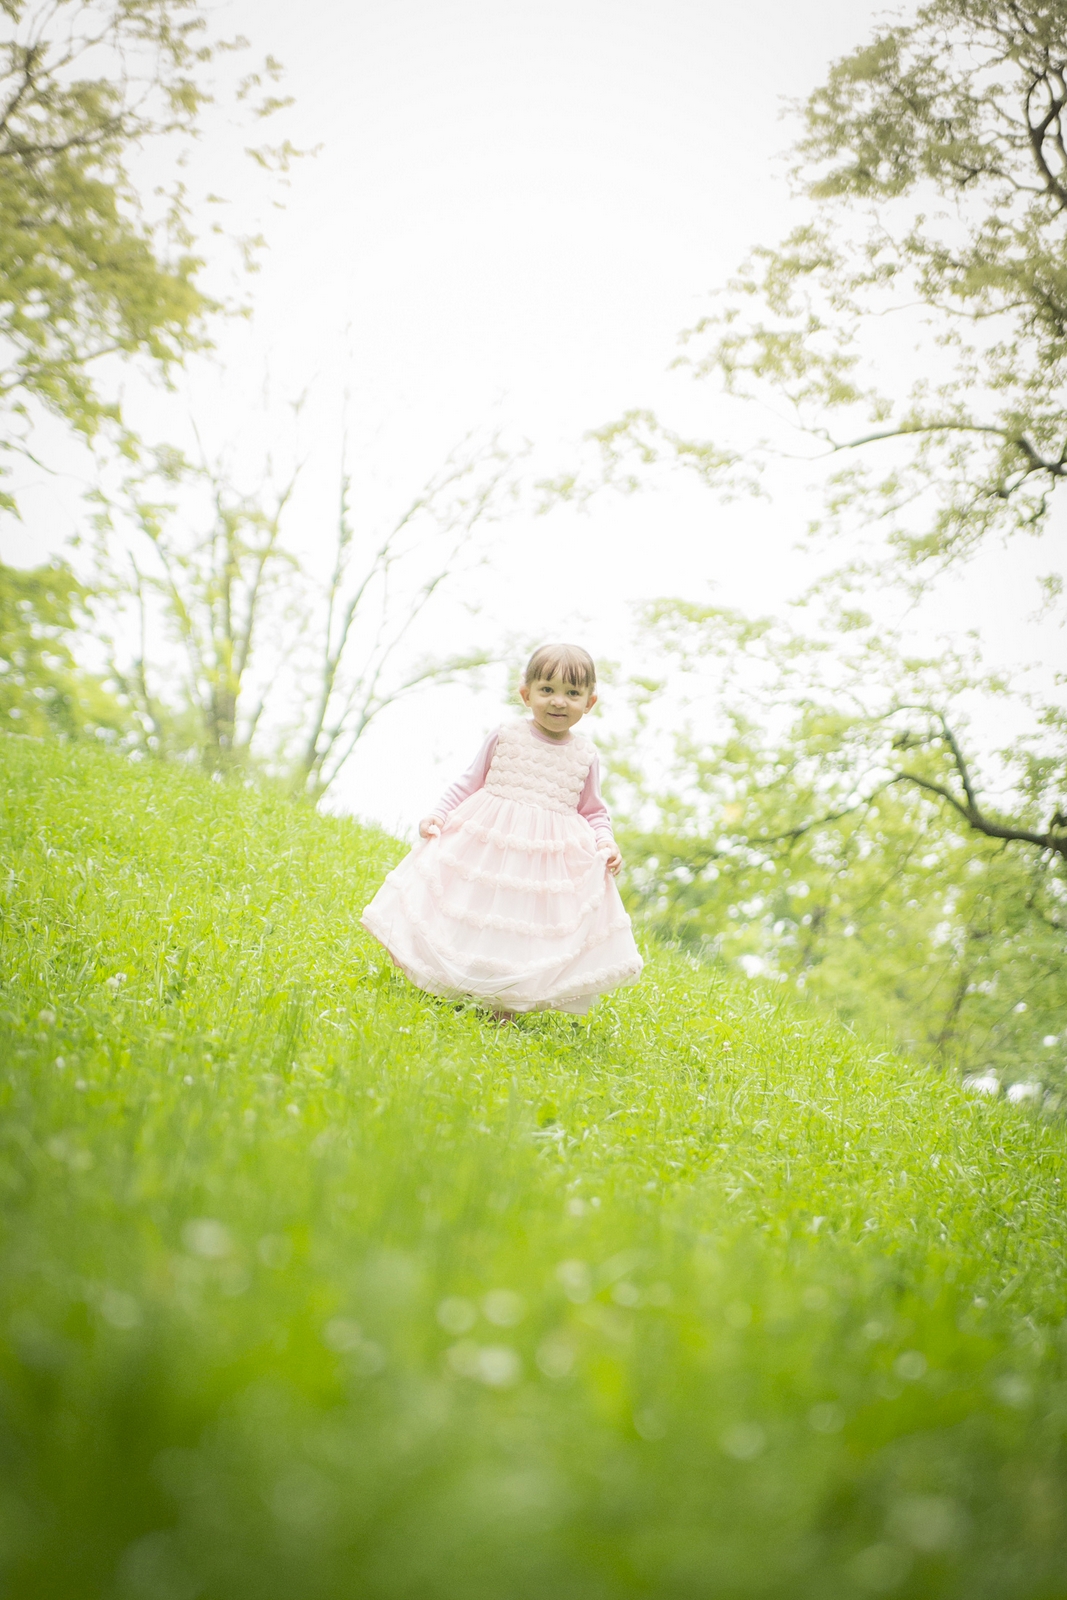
509,896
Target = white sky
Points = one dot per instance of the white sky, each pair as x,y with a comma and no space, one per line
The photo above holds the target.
517,206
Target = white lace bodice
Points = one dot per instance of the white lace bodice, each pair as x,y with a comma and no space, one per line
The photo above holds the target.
537,772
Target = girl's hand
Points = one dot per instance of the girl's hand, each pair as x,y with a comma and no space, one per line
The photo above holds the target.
614,857
429,828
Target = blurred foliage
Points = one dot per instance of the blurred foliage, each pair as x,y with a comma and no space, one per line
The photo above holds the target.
314,1286
914,327
233,650
86,273
832,833
201,585
42,690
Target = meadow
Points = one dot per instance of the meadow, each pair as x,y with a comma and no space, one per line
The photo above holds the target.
314,1287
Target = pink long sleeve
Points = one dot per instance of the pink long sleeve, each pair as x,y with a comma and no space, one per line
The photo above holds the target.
471,781
591,803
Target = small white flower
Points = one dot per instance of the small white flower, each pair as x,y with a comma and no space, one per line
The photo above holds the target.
342,1335
826,1418
576,1280
121,1310
744,1441
982,1083
556,1355
456,1315
495,1365
504,1307
207,1238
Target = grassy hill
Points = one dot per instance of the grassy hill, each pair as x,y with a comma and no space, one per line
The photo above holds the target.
312,1286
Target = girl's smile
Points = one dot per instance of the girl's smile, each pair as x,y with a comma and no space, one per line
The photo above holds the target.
557,705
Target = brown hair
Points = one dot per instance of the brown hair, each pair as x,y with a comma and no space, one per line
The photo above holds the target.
568,661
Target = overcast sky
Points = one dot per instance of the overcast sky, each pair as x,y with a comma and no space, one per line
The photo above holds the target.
517,206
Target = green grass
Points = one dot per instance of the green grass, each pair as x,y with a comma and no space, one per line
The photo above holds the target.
312,1286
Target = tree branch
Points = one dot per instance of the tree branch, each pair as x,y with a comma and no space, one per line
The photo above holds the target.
1054,841
1037,132
1055,469
793,834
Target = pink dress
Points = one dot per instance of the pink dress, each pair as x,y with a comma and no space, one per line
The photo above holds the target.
513,904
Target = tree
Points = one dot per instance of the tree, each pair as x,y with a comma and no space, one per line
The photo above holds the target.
42,691
367,618
907,345
200,570
914,327
833,831
880,715
85,273
241,655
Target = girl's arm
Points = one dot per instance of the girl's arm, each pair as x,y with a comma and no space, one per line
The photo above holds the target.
471,781
591,806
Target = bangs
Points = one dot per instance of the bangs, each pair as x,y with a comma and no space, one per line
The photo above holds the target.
567,661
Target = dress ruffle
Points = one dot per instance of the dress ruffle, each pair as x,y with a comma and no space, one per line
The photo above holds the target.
512,905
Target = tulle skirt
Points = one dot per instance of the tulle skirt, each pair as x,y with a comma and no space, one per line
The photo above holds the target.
512,906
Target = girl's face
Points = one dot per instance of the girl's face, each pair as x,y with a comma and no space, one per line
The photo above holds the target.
556,704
